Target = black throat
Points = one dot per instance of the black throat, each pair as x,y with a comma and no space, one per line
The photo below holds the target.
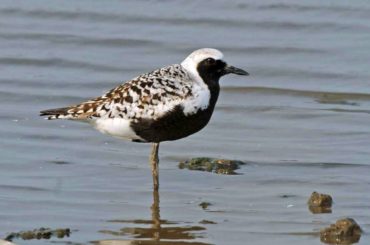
211,74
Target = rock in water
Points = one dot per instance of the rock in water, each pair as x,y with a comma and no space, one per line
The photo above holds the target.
320,203
218,166
344,231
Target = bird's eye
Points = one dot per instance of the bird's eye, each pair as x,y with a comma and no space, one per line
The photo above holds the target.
210,61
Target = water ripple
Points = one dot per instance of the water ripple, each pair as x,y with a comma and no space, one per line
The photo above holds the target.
57,62
79,40
300,93
304,8
219,22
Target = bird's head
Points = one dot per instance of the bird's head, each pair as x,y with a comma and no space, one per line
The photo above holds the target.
208,64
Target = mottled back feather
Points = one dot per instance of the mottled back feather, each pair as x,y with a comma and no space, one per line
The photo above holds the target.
150,95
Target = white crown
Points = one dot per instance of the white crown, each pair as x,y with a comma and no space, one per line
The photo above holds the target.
191,62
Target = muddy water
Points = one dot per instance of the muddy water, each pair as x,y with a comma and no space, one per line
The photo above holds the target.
300,121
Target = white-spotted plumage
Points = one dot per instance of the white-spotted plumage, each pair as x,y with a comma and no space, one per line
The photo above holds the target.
149,96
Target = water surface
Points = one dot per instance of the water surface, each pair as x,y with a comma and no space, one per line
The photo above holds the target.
300,121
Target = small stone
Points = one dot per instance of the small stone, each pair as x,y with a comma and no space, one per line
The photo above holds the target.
205,205
344,231
320,203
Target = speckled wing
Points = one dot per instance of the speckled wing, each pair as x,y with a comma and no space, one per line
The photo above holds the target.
150,95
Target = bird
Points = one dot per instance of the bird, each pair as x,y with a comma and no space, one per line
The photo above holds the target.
166,104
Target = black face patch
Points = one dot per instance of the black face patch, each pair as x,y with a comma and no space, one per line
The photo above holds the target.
210,70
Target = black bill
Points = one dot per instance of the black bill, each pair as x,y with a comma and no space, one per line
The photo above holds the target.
238,71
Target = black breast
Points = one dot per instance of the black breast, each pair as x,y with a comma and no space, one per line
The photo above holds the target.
172,126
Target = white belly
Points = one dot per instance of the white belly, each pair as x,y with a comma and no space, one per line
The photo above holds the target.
117,127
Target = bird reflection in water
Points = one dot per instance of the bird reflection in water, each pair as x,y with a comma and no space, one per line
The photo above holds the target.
161,232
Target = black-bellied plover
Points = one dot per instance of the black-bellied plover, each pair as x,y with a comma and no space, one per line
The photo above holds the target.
166,104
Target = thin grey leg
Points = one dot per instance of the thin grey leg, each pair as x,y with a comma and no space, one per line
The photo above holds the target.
154,164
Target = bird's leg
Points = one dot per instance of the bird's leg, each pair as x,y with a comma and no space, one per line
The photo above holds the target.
156,219
154,164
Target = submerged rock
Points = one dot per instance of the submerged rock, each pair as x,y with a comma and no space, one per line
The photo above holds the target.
41,233
320,203
205,205
218,166
344,231
207,222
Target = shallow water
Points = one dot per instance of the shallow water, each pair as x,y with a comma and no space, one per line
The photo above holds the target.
300,121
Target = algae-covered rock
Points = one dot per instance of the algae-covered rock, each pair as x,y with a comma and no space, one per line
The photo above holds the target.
41,233
320,200
218,166
320,203
344,231
205,205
